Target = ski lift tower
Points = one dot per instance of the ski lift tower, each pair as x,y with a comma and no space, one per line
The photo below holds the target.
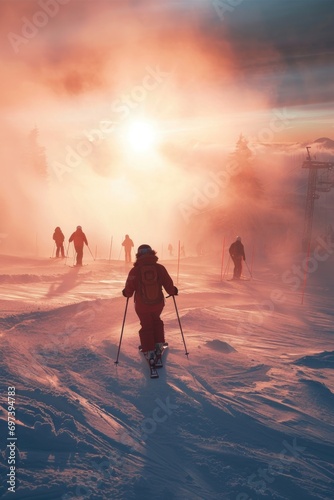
313,188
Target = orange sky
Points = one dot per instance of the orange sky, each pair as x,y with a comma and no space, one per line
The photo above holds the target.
227,71
84,71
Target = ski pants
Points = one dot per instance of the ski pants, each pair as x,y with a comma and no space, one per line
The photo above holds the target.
237,260
152,326
60,250
127,255
79,251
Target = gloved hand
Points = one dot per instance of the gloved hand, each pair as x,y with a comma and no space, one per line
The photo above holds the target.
176,292
123,293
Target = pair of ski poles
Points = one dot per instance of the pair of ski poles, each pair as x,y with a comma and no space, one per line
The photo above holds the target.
178,318
228,265
67,249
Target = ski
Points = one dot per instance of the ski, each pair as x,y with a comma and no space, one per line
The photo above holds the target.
156,362
151,365
83,265
238,279
158,358
153,372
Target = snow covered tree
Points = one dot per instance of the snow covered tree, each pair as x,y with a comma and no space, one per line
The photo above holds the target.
245,182
36,157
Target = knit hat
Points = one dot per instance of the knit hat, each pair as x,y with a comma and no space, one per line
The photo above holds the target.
142,249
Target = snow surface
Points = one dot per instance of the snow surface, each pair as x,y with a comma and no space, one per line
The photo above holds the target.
248,415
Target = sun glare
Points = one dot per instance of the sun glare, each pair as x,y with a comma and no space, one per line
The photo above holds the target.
141,136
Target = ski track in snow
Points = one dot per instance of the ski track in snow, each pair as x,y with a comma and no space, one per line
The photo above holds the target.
249,414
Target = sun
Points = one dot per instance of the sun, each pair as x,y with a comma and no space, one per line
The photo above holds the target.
141,136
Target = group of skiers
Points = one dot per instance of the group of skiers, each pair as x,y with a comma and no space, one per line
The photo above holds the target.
145,281
79,240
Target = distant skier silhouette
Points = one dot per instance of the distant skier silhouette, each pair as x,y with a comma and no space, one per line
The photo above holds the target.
79,239
59,238
127,244
237,253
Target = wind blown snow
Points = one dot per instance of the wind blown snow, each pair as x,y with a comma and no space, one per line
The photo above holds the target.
228,94
249,414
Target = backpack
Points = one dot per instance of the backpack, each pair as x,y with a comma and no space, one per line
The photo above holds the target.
149,286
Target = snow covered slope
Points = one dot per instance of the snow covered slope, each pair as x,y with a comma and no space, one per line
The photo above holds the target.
248,415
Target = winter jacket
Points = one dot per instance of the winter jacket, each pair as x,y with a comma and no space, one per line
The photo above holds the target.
237,250
58,237
127,243
78,238
132,282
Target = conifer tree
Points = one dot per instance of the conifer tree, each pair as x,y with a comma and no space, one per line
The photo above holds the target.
37,162
245,182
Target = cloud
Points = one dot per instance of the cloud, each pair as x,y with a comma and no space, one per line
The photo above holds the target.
87,65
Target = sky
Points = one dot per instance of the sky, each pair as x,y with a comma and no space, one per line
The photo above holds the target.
138,106
121,91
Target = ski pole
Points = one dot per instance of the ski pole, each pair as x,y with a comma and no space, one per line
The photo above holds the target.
120,340
90,252
53,250
74,253
68,246
222,261
178,318
110,248
178,262
227,266
249,270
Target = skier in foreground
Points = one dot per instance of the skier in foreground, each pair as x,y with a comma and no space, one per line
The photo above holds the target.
79,239
145,281
237,253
